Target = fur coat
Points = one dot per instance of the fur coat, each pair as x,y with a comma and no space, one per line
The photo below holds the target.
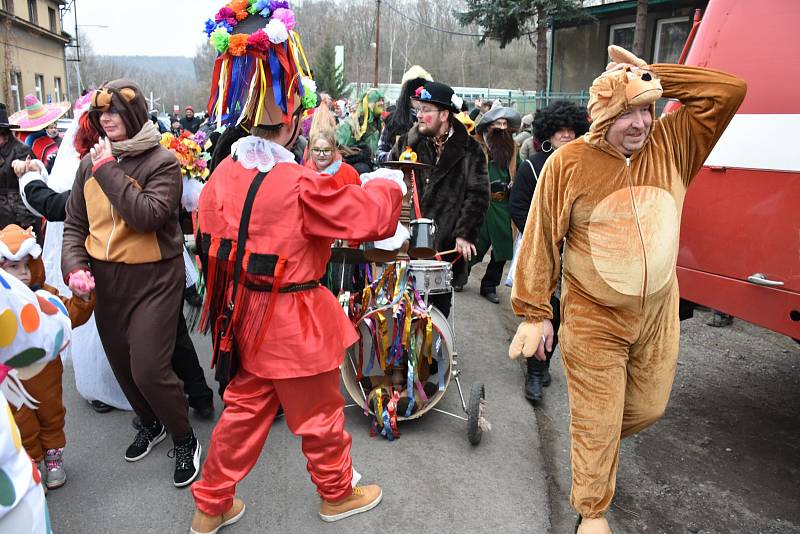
455,193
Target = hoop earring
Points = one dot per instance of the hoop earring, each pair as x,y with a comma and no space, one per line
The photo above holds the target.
547,149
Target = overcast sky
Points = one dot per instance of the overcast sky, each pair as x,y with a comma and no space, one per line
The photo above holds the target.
143,27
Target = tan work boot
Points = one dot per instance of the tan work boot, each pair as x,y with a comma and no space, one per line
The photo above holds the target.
362,499
202,523
598,525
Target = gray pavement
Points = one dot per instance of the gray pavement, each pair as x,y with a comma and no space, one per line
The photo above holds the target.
433,479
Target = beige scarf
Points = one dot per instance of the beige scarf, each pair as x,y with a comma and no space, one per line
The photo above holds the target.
147,138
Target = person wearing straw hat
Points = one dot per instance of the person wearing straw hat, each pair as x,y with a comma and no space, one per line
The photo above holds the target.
278,336
38,128
12,209
613,200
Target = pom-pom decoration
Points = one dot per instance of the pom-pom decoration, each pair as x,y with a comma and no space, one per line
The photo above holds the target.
286,16
220,39
276,31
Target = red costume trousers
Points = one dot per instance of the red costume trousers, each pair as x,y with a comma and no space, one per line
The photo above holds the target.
314,410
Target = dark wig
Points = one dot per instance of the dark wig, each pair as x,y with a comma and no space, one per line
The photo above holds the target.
560,114
402,119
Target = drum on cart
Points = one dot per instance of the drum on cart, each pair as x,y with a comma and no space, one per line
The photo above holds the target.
432,277
432,382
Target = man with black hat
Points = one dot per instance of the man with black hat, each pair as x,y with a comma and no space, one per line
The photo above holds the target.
494,133
455,193
12,210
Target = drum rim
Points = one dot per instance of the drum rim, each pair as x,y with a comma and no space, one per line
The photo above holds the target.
350,357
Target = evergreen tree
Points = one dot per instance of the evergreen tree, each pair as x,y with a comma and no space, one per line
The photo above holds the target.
507,20
329,79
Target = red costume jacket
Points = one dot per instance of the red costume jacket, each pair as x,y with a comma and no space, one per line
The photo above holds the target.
296,215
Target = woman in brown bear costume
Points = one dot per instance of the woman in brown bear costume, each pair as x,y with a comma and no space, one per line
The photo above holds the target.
614,197
122,225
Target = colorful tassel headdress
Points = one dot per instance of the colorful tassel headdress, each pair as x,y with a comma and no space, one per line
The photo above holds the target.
261,76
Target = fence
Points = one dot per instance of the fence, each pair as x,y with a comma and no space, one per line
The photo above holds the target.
529,103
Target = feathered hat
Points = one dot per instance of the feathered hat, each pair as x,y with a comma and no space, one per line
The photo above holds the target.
261,76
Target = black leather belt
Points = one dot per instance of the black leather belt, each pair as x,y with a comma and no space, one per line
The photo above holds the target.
291,288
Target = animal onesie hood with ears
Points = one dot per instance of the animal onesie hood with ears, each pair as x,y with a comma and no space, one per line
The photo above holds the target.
122,226
621,220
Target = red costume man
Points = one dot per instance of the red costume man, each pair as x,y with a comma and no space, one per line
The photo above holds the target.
289,331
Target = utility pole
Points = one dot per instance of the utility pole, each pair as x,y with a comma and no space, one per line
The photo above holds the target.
377,42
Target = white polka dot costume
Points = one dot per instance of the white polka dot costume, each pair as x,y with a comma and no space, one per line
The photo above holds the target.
34,329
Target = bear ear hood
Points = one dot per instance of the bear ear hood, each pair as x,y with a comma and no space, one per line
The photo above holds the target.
126,98
626,83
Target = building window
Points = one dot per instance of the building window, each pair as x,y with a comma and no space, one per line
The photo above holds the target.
57,89
671,35
16,91
39,87
622,35
51,13
34,18
8,5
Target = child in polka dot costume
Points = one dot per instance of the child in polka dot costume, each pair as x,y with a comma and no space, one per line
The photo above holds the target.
42,429
34,329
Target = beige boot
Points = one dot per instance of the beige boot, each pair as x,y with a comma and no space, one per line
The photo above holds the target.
598,525
202,523
362,499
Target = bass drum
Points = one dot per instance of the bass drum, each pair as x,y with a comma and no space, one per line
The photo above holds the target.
359,393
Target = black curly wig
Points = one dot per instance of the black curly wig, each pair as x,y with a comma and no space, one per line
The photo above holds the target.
560,114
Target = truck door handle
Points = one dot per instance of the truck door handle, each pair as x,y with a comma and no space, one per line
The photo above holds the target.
761,280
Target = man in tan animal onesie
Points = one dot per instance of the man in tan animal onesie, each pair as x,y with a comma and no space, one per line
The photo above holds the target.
614,199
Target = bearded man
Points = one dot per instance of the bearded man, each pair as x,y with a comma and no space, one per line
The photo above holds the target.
455,192
495,133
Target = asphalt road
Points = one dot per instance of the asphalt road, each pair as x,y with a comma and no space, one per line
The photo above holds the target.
724,459
433,479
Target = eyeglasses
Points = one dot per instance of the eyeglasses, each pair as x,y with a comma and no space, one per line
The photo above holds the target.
322,151
423,111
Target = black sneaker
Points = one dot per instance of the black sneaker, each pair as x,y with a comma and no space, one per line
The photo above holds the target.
187,460
147,438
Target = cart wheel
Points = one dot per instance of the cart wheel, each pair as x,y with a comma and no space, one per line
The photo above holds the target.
474,412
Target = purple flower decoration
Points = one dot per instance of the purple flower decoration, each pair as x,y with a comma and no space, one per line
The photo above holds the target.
286,16
210,27
278,4
226,25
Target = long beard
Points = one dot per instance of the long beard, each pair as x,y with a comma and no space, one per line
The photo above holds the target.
501,147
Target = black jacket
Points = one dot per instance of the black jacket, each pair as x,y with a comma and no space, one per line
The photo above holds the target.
192,124
455,193
519,200
52,205
13,149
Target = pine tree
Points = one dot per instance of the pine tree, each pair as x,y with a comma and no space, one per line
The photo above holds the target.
329,79
507,20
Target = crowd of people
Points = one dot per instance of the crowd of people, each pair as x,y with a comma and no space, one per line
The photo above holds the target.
584,203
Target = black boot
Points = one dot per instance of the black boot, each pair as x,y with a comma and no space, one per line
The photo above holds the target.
534,381
546,379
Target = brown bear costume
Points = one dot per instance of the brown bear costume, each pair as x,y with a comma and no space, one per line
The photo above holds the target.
618,218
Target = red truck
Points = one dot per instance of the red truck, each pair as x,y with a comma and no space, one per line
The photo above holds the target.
740,233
